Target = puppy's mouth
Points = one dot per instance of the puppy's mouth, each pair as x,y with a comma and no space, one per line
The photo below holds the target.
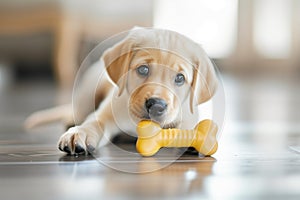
162,123
155,114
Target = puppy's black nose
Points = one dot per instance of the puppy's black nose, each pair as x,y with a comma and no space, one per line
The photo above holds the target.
156,107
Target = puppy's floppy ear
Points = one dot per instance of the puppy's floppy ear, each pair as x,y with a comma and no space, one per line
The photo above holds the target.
117,60
204,82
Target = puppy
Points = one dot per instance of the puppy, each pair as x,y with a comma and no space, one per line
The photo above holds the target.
152,74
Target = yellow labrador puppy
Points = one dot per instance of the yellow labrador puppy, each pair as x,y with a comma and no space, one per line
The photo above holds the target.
151,74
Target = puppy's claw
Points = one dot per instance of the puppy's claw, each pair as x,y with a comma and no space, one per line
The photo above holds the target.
67,150
79,149
59,147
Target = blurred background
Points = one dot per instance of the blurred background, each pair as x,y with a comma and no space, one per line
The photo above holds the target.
255,43
49,39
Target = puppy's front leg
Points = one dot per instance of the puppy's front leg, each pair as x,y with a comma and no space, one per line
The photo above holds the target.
97,129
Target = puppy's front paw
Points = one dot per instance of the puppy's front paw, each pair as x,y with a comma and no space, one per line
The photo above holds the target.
78,140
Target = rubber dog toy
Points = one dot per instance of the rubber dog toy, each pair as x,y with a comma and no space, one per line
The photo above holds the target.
151,137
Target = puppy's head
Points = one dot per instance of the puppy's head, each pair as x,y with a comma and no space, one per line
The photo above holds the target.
160,70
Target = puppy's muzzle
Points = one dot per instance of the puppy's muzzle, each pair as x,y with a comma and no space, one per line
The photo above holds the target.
156,107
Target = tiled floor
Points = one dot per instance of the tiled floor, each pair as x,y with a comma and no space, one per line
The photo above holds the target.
258,156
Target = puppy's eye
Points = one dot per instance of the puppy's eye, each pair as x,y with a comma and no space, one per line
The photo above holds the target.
179,79
143,70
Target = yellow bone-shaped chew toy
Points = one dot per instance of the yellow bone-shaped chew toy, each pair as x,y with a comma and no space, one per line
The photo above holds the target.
151,137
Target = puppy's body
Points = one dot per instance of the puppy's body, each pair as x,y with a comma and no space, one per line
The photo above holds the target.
151,74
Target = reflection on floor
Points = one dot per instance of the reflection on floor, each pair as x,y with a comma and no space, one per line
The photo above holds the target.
258,156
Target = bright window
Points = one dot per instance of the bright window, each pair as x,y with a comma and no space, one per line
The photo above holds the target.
272,28
211,23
